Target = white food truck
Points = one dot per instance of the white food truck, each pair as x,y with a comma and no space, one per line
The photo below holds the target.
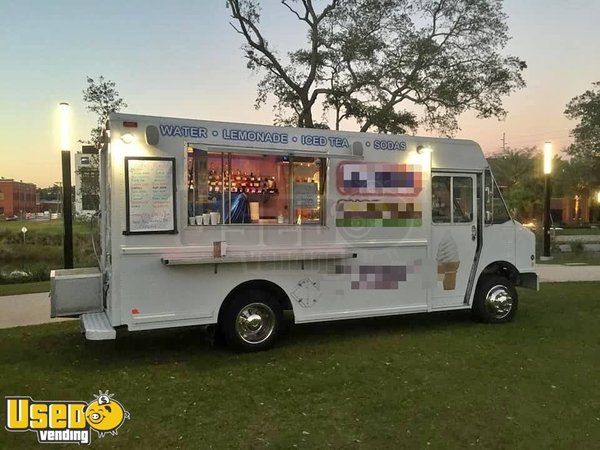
228,224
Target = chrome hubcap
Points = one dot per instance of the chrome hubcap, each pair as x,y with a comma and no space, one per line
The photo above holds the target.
255,323
499,301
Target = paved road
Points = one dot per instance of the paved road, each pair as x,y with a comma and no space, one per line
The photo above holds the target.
559,272
28,309
34,309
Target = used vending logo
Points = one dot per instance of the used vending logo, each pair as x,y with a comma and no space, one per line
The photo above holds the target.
65,422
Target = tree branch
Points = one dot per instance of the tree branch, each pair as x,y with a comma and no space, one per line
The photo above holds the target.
259,44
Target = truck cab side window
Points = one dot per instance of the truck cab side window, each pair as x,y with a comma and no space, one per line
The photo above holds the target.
462,199
452,199
441,199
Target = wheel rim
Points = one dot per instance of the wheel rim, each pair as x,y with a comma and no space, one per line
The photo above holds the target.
499,301
255,323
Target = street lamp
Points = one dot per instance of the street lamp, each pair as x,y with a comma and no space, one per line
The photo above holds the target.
64,111
547,189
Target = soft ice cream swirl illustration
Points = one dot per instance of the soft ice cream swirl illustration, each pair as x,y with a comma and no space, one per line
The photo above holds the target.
448,262
447,250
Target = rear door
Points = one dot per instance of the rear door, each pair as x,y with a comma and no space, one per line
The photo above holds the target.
454,235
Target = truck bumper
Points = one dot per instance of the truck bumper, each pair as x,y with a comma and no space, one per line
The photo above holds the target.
97,327
529,280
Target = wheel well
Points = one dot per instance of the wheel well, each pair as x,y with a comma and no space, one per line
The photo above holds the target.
502,268
264,285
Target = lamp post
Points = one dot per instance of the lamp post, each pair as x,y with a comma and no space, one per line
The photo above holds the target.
64,111
547,189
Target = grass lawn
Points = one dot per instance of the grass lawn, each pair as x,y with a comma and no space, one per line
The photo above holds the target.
589,258
54,227
578,231
42,249
24,288
577,256
436,380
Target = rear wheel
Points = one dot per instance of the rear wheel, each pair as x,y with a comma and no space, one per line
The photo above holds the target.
496,300
252,321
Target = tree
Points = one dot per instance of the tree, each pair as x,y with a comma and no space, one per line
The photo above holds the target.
516,174
102,98
50,193
391,65
585,108
585,150
513,166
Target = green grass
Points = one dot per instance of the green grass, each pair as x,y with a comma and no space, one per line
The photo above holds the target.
54,227
42,249
578,232
402,382
24,288
577,256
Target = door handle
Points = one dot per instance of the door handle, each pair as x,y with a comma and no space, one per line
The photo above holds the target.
473,232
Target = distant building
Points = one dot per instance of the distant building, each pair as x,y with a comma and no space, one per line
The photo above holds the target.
53,206
572,210
17,198
86,181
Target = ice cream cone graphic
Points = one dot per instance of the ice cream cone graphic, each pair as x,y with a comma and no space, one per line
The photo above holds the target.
448,262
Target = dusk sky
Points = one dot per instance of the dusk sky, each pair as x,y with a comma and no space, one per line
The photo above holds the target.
181,58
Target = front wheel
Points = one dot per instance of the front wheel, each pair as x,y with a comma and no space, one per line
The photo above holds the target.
252,322
496,300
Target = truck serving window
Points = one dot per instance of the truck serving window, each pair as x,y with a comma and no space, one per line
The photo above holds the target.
254,189
495,208
308,190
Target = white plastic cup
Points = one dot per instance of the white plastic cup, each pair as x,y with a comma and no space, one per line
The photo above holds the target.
214,218
254,211
205,219
192,220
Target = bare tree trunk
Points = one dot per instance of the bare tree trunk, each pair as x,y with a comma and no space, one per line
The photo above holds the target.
306,119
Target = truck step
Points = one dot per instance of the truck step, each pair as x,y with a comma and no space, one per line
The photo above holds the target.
97,327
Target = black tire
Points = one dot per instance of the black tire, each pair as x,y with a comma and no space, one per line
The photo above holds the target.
496,299
252,321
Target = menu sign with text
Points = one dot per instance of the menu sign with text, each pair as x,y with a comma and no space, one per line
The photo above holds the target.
306,195
150,186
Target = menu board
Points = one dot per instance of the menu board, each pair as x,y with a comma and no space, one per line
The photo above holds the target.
150,195
305,195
